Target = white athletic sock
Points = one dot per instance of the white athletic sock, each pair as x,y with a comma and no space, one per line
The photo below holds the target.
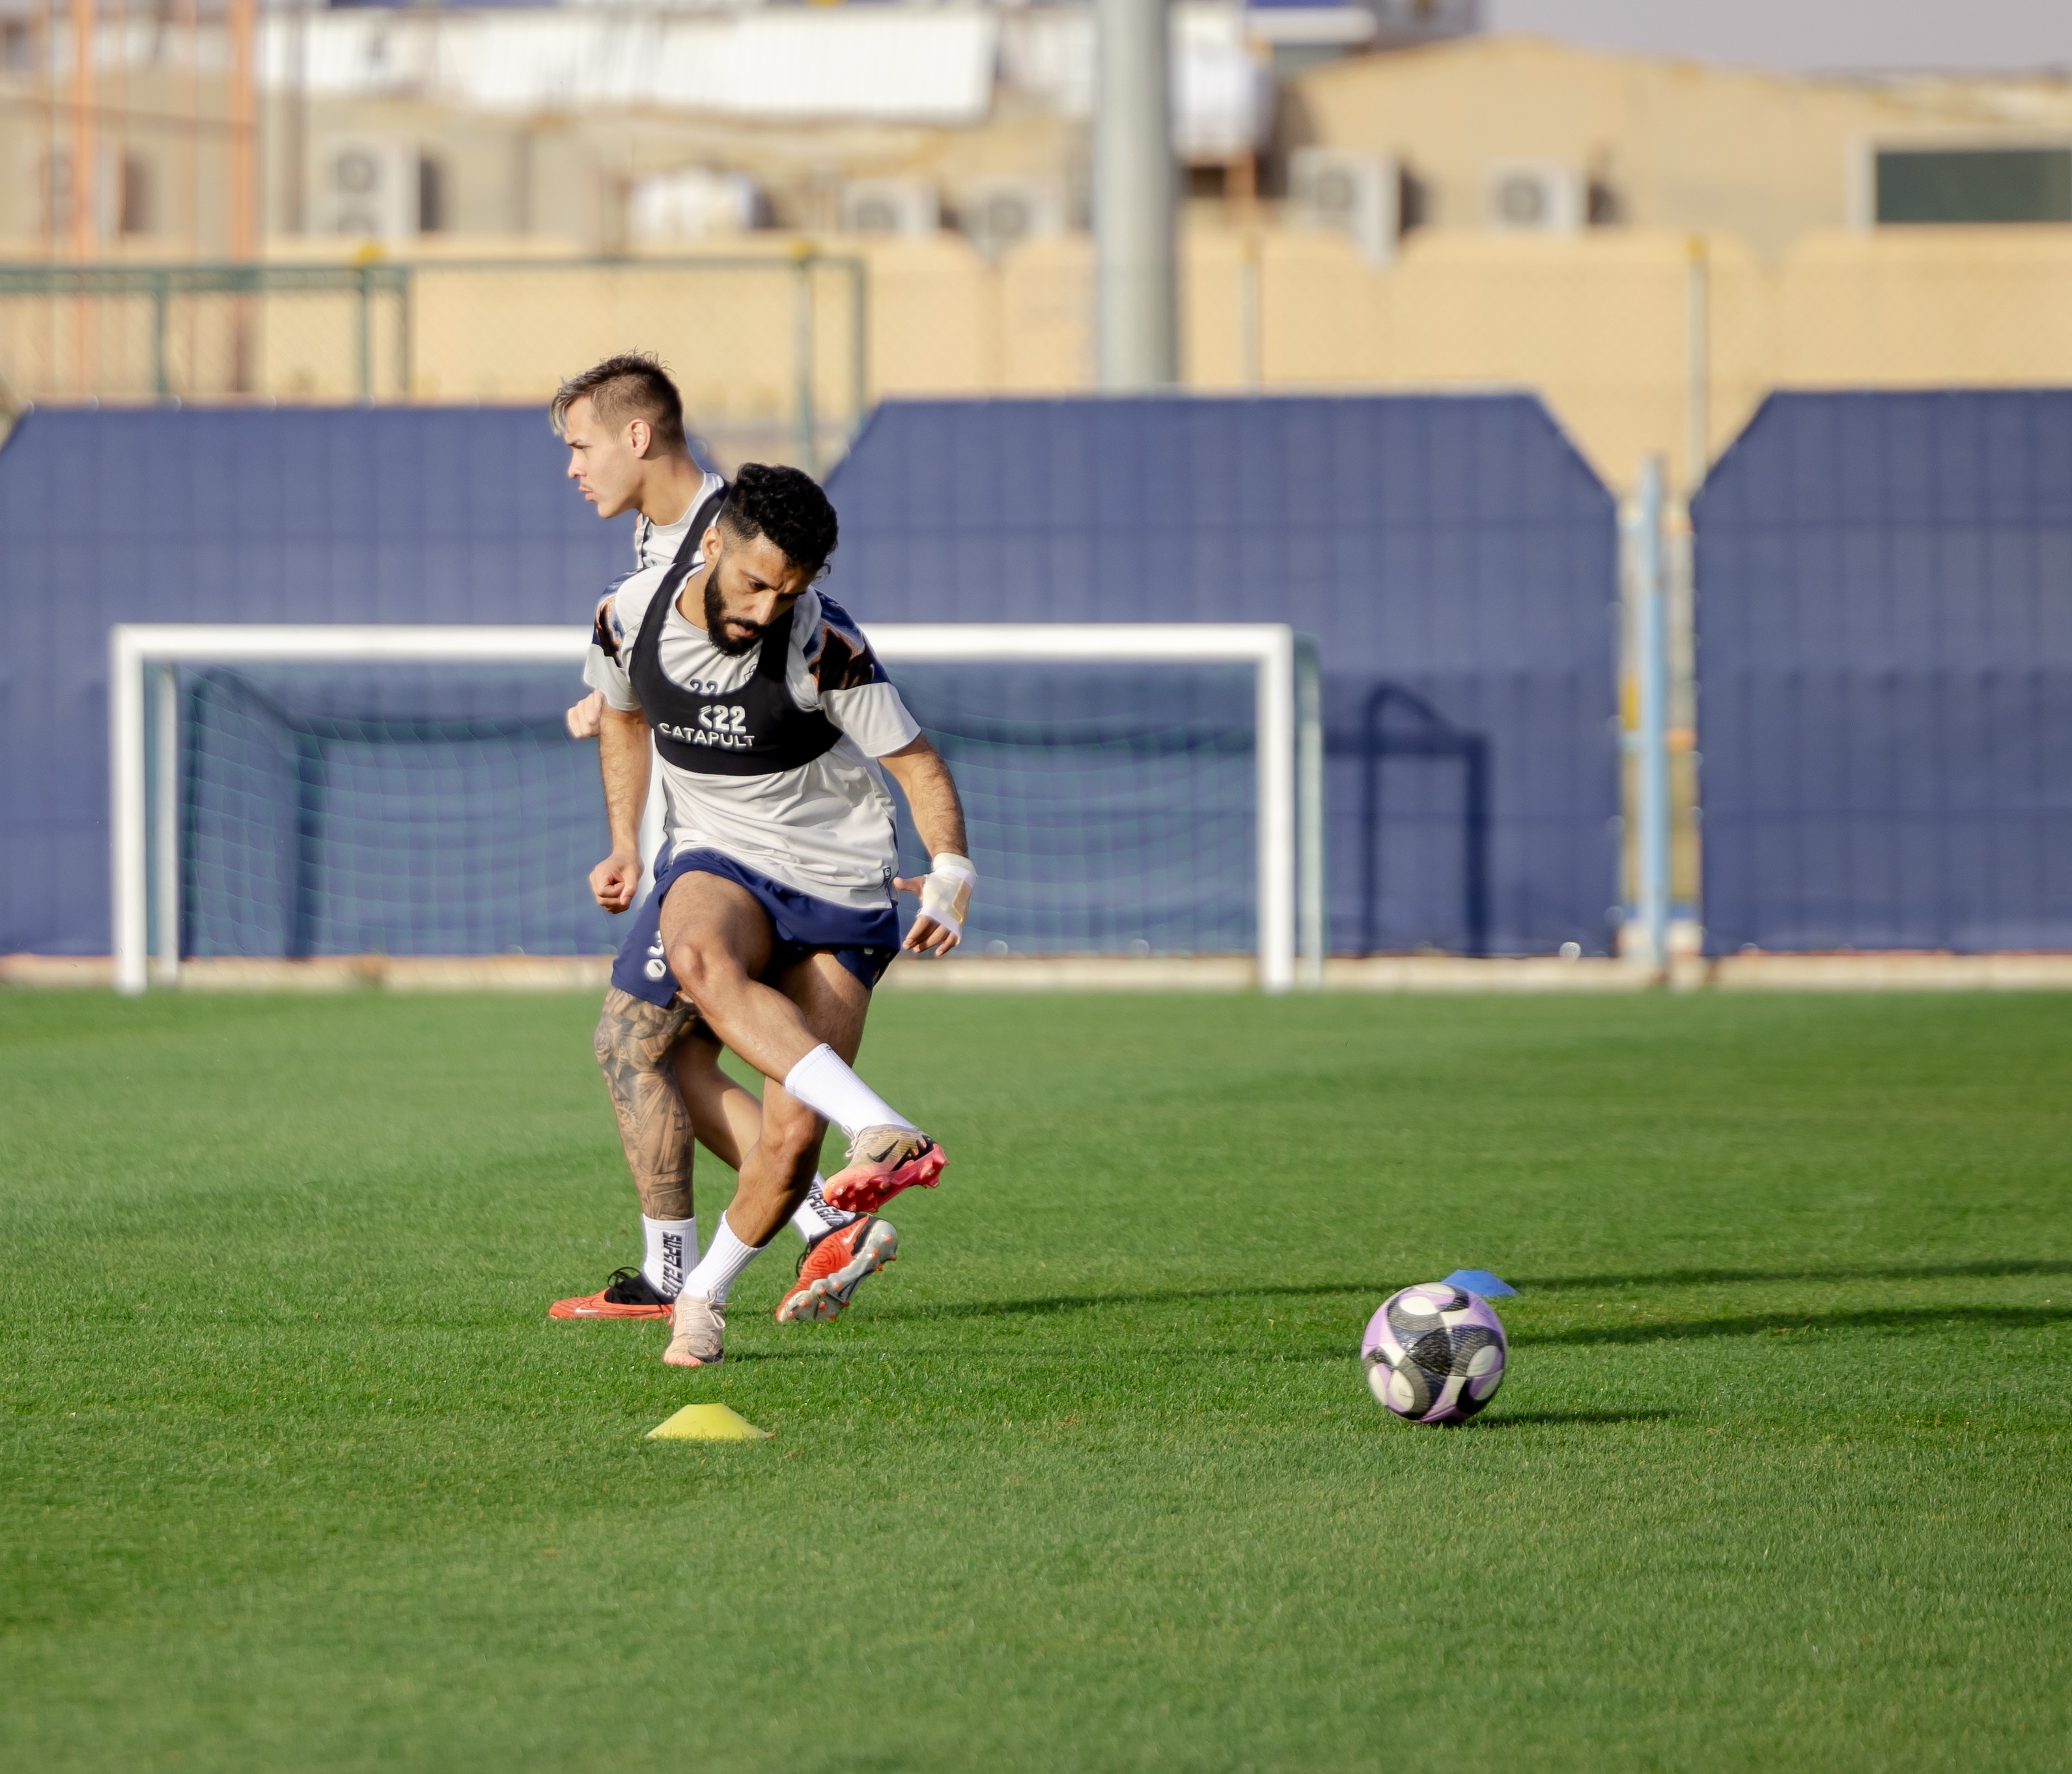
816,1219
825,1085
673,1248
725,1258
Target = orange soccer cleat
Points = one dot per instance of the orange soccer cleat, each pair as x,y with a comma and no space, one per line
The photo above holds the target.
629,1293
831,1272
881,1162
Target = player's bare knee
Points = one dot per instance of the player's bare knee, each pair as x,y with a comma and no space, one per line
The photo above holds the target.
703,969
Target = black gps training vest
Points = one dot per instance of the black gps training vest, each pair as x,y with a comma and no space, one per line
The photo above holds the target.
755,731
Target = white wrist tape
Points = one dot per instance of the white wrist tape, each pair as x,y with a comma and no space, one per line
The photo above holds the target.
945,891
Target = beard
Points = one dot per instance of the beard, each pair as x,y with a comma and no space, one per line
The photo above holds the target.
716,619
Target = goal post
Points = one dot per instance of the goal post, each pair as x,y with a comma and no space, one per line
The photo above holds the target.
146,740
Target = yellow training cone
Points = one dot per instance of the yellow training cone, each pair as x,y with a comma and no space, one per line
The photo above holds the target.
708,1423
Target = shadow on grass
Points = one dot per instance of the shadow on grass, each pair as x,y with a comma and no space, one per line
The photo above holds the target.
1045,1303
1781,1323
1698,1277
1895,1318
1533,1419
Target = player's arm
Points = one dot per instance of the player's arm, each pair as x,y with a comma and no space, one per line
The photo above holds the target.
938,817
622,752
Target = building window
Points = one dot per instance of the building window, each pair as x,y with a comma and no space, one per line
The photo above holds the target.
431,195
1919,185
133,211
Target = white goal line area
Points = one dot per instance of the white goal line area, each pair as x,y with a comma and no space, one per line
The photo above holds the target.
145,810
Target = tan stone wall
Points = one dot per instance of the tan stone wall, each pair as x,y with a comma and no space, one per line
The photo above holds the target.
1598,324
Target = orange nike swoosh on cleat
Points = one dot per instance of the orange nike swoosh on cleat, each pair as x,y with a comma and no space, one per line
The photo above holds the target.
597,1305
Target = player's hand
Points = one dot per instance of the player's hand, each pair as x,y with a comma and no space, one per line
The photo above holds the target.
586,716
616,880
945,897
926,937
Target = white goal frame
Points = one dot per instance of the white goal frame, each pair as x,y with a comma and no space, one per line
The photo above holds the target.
144,804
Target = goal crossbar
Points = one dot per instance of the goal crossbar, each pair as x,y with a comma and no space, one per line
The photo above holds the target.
144,804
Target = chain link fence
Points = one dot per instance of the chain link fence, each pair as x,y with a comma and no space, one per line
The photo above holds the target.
769,350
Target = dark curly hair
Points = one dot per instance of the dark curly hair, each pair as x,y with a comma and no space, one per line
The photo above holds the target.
786,505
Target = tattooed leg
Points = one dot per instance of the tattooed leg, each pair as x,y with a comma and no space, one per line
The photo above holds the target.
632,1047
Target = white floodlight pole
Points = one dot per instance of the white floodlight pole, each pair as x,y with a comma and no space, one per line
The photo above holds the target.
1135,321
1651,837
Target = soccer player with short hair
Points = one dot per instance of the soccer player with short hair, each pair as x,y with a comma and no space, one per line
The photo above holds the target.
773,912
622,420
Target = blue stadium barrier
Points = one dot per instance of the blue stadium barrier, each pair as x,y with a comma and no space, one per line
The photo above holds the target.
417,515
1884,624
1455,557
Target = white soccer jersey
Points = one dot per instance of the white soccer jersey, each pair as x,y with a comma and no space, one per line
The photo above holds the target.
655,545
825,828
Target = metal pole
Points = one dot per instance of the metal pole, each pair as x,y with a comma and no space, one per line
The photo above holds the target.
85,192
859,345
243,146
1136,321
158,387
1309,808
1248,315
166,818
1697,339
803,352
1652,672
363,341
406,295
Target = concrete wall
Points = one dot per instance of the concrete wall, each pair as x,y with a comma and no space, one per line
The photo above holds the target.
1598,324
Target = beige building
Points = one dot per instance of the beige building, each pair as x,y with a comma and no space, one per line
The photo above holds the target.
1650,245
1611,140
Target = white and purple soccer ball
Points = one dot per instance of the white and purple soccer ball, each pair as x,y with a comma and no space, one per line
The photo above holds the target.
1434,1353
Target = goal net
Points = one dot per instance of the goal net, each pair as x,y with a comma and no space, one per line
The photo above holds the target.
299,791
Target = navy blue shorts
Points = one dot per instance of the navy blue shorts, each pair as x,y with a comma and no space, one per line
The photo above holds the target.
862,941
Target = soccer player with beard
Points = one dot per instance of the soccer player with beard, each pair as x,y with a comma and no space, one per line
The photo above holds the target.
623,422
772,910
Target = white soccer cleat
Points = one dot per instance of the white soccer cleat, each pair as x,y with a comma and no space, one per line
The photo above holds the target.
697,1334
881,1162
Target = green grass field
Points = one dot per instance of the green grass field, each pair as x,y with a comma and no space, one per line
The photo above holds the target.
295,1473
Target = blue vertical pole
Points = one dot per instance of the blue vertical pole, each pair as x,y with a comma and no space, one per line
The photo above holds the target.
1651,675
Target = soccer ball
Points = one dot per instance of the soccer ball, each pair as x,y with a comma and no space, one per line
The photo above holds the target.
1434,1353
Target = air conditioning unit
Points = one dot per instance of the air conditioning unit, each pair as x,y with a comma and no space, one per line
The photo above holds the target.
999,213
1537,197
367,186
890,206
693,203
1354,193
